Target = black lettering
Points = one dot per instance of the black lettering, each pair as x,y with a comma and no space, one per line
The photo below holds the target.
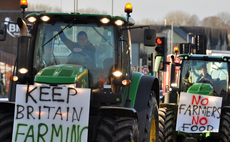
207,111
75,90
48,110
180,108
209,128
219,108
185,127
56,94
194,109
77,116
202,128
39,113
202,110
30,110
43,93
58,112
194,126
188,109
28,94
20,112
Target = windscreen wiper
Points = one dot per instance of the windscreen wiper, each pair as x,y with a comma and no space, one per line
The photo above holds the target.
67,26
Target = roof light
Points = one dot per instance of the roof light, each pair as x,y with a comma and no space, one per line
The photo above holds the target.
23,70
31,19
117,73
45,18
119,22
104,20
128,8
23,4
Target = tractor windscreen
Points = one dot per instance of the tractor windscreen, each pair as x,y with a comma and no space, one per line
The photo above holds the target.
70,43
200,71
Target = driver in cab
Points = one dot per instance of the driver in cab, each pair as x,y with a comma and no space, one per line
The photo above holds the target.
83,45
204,76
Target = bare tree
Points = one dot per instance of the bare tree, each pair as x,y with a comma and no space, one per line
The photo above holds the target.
212,21
224,18
179,18
42,7
194,21
147,21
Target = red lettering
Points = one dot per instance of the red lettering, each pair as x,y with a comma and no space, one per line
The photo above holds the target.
205,121
194,99
194,119
202,101
202,121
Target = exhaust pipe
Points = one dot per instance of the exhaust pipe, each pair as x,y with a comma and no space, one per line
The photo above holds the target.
22,52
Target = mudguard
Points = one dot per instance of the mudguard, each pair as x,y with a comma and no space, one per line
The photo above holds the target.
118,111
146,85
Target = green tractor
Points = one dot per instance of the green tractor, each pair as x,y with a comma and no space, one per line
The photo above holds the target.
197,101
64,91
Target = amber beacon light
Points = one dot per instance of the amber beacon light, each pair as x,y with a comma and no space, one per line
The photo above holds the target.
23,4
128,8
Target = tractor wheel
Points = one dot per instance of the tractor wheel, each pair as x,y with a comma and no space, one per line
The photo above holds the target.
225,127
6,126
118,129
148,121
166,125
162,113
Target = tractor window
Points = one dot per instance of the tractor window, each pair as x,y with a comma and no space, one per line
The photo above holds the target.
199,71
82,44
58,50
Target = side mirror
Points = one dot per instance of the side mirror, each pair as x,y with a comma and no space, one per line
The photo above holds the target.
150,37
2,31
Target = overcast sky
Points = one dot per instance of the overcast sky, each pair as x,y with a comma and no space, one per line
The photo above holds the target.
151,9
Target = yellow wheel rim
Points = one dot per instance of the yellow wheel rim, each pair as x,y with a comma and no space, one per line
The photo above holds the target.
153,130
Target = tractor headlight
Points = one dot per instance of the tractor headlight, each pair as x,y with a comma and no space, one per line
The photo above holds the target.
119,22
23,70
105,20
32,19
45,18
117,73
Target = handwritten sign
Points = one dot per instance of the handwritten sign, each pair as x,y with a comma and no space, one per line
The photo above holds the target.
198,113
51,113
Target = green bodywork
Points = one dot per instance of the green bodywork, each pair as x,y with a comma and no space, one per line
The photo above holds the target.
63,74
201,88
134,86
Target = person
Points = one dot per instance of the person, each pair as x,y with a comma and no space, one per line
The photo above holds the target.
204,75
83,45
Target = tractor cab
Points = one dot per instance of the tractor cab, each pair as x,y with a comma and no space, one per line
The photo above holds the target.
205,75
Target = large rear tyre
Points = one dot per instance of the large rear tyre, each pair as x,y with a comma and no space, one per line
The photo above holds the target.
118,129
6,126
162,113
167,125
148,121
225,127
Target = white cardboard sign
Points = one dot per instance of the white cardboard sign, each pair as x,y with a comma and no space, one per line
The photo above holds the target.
198,113
51,114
